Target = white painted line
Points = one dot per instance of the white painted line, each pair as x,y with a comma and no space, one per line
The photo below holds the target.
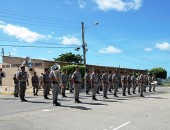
104,129
147,114
45,110
121,126
161,107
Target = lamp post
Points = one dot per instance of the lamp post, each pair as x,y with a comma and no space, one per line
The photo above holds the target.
84,46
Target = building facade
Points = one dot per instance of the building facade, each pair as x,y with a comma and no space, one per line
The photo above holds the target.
11,65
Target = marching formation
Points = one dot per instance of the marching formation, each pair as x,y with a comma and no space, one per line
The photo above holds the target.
97,81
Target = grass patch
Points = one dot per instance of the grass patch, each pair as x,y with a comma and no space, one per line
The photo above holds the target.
166,84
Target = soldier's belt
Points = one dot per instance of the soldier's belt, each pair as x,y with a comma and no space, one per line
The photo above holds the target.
77,82
54,82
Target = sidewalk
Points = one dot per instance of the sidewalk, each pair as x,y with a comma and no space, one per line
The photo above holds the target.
10,89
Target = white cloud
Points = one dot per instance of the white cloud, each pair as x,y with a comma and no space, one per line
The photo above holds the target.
82,4
49,51
119,5
110,50
22,33
69,40
163,46
68,2
148,49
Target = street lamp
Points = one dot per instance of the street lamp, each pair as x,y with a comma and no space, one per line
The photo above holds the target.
84,46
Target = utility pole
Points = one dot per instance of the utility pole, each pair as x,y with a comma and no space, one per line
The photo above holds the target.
84,44
84,52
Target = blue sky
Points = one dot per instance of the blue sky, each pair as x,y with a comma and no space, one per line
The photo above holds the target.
131,33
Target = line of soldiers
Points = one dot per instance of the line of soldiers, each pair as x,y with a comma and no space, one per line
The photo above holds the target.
96,81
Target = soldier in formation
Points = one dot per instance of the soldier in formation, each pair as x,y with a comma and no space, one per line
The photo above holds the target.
77,82
22,77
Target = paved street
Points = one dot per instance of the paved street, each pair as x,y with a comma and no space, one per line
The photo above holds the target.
122,113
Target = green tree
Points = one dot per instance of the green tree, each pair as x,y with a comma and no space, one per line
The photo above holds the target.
70,57
71,68
159,72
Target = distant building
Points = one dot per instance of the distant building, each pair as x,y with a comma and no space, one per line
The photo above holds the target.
10,66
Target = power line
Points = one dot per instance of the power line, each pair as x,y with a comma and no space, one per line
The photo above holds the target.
38,46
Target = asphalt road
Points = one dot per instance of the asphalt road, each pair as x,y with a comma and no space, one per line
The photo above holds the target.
122,113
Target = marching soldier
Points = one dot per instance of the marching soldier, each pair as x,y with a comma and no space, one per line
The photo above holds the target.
77,81
22,77
105,82
41,81
124,83
99,85
142,84
88,83
134,83
46,82
115,81
149,82
64,78
70,83
56,82
138,83
110,81
94,82
146,83
16,86
154,80
35,84
129,84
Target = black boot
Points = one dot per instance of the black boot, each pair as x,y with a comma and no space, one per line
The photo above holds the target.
77,100
129,93
55,103
94,98
141,95
45,97
124,94
134,92
63,95
105,97
115,95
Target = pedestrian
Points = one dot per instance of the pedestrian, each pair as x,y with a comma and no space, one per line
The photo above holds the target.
115,81
77,82
16,86
22,77
64,78
94,83
129,83
41,81
88,83
124,82
99,85
134,83
154,82
46,82
70,83
110,81
142,84
150,82
105,82
35,84
55,77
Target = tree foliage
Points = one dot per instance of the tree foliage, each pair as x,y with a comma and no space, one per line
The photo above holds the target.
159,72
71,68
70,57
